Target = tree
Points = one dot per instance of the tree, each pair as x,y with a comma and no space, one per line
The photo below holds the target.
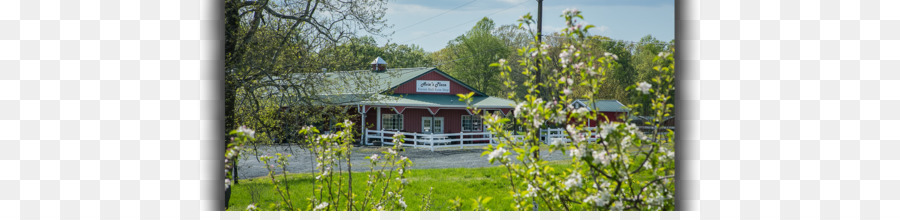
468,57
266,39
358,52
615,166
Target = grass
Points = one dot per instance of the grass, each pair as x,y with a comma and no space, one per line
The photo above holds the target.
465,183
450,183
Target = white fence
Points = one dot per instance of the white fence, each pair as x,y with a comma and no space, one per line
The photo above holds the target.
468,139
551,134
431,140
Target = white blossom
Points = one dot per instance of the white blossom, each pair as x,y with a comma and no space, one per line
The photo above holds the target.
531,191
597,200
575,152
251,207
402,203
618,206
519,108
321,206
605,129
626,142
374,157
581,110
324,173
564,57
644,87
557,142
608,54
600,157
227,183
247,131
502,62
537,121
561,116
663,54
574,180
579,65
496,153
572,11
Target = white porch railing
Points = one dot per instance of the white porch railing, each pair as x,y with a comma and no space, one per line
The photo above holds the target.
463,139
432,140
551,134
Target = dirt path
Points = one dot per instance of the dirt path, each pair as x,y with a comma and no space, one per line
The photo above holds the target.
453,157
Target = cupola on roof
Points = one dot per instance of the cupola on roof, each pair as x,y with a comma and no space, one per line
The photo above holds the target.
378,65
378,60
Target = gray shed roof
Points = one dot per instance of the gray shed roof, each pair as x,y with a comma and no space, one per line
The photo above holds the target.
428,100
603,105
345,87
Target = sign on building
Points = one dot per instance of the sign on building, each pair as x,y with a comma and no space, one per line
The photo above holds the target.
433,86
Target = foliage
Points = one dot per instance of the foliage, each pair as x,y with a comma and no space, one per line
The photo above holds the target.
468,57
384,188
432,187
356,53
330,190
614,166
239,139
266,39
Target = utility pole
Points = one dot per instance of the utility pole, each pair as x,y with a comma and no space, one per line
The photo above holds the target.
538,78
539,38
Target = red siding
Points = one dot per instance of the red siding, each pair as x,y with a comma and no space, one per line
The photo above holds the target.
412,118
410,87
613,116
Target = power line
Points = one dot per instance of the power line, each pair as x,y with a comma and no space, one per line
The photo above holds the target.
467,22
432,17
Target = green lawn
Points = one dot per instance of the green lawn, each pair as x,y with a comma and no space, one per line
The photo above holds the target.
466,183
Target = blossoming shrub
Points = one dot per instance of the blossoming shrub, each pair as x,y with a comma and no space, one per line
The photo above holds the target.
333,189
386,179
614,166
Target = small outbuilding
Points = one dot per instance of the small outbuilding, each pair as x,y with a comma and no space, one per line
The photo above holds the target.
607,110
420,103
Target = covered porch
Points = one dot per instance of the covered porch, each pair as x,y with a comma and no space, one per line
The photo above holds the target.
430,121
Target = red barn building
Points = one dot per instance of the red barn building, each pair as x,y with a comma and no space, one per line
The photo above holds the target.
421,103
607,110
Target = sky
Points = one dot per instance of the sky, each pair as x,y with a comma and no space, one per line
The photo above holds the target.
414,21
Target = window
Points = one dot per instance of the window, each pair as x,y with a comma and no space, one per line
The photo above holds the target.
392,122
436,123
471,123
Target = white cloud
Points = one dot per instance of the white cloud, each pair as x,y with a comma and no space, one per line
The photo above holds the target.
602,28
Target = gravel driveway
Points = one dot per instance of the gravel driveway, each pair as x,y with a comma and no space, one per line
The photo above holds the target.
450,157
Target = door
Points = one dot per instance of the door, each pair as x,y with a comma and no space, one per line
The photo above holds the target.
437,123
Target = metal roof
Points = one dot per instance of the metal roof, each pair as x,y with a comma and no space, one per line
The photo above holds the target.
604,105
429,100
386,80
368,87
